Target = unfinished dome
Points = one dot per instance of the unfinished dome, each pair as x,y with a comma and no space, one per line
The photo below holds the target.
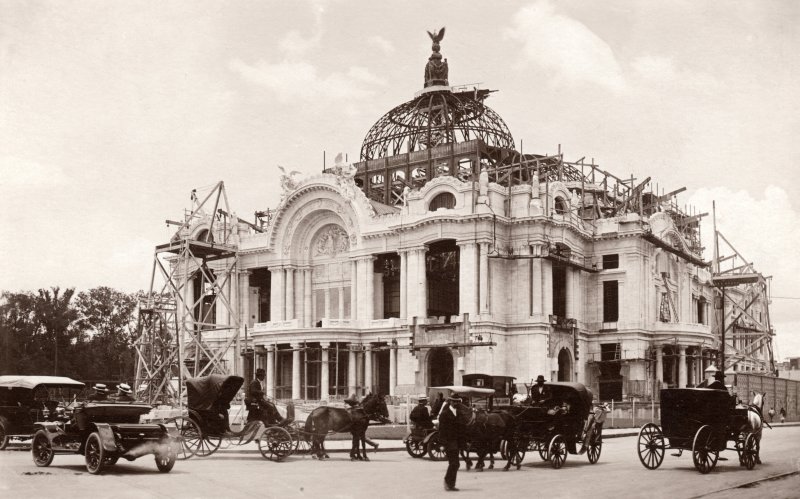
437,115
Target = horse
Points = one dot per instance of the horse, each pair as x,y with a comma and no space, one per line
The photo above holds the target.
484,433
324,420
755,419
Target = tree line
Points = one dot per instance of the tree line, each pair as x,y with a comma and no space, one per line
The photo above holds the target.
85,336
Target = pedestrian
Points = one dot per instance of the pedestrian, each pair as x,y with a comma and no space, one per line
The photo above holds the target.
783,415
452,431
771,413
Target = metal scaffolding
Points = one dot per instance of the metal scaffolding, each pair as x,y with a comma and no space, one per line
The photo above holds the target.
189,319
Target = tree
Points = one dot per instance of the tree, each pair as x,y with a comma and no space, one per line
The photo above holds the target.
108,319
21,345
55,318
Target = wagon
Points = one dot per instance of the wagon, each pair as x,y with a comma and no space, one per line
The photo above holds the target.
558,428
205,425
702,421
24,400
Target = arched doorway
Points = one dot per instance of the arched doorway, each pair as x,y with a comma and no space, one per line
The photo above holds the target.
440,367
564,365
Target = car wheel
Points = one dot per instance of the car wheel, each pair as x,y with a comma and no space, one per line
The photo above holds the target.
41,449
165,460
95,454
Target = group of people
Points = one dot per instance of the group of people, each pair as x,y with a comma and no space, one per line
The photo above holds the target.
103,394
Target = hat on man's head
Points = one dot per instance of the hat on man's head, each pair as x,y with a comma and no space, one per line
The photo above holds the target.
124,388
422,397
540,379
719,375
100,388
260,371
455,398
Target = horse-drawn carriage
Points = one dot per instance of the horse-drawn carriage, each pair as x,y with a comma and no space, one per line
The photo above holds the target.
206,424
702,421
558,427
101,431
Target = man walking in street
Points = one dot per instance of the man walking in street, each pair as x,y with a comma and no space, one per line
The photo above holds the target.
452,431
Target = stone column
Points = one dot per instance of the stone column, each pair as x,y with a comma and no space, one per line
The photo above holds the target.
659,367
244,292
569,305
270,372
307,297
351,371
403,284
392,369
296,393
547,288
354,298
369,275
289,293
327,303
484,278
368,368
276,294
467,279
681,367
422,284
324,378
537,290
690,369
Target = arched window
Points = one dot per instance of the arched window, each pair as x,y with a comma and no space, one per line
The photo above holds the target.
562,207
443,200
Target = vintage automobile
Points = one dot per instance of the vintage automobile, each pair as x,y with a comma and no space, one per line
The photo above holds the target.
27,399
104,432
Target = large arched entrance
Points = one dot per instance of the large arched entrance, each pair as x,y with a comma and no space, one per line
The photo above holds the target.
440,367
564,365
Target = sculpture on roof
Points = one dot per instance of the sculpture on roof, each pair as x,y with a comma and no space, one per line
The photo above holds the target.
288,182
436,69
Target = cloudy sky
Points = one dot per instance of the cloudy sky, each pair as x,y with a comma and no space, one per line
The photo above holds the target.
112,112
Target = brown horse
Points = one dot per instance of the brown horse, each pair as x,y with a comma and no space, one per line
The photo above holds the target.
325,420
484,434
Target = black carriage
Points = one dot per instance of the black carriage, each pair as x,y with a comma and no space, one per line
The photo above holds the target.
567,424
24,400
103,432
702,421
206,424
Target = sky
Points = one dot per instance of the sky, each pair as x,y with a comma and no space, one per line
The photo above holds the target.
112,112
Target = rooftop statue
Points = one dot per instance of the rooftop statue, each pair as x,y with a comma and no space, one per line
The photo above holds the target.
436,68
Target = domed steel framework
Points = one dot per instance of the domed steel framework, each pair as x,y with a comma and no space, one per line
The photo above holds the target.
437,116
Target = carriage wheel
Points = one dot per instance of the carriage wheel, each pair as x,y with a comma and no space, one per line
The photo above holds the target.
595,445
41,449
558,451
3,435
750,450
436,449
275,443
544,453
95,454
415,448
703,456
504,449
209,445
517,452
187,431
651,446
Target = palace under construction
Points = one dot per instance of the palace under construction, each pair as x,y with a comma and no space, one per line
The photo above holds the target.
446,251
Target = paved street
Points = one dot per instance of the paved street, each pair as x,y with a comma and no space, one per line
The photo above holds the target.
242,472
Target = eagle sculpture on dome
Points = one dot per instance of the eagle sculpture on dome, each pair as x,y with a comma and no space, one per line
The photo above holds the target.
436,69
437,37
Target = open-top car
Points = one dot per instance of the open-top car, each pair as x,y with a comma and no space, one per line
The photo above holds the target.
25,400
104,432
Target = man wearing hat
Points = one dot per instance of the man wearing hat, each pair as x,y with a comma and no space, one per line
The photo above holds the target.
124,393
452,430
540,393
100,393
719,381
255,398
420,415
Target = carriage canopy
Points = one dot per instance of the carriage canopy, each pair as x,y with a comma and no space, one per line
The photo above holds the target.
207,392
684,410
31,382
575,394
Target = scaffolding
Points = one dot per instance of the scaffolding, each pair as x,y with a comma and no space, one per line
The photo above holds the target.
744,326
189,320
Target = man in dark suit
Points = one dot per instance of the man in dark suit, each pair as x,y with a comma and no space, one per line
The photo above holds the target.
255,395
540,394
420,416
453,431
100,393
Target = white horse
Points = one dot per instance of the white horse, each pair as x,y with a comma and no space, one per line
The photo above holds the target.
755,419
